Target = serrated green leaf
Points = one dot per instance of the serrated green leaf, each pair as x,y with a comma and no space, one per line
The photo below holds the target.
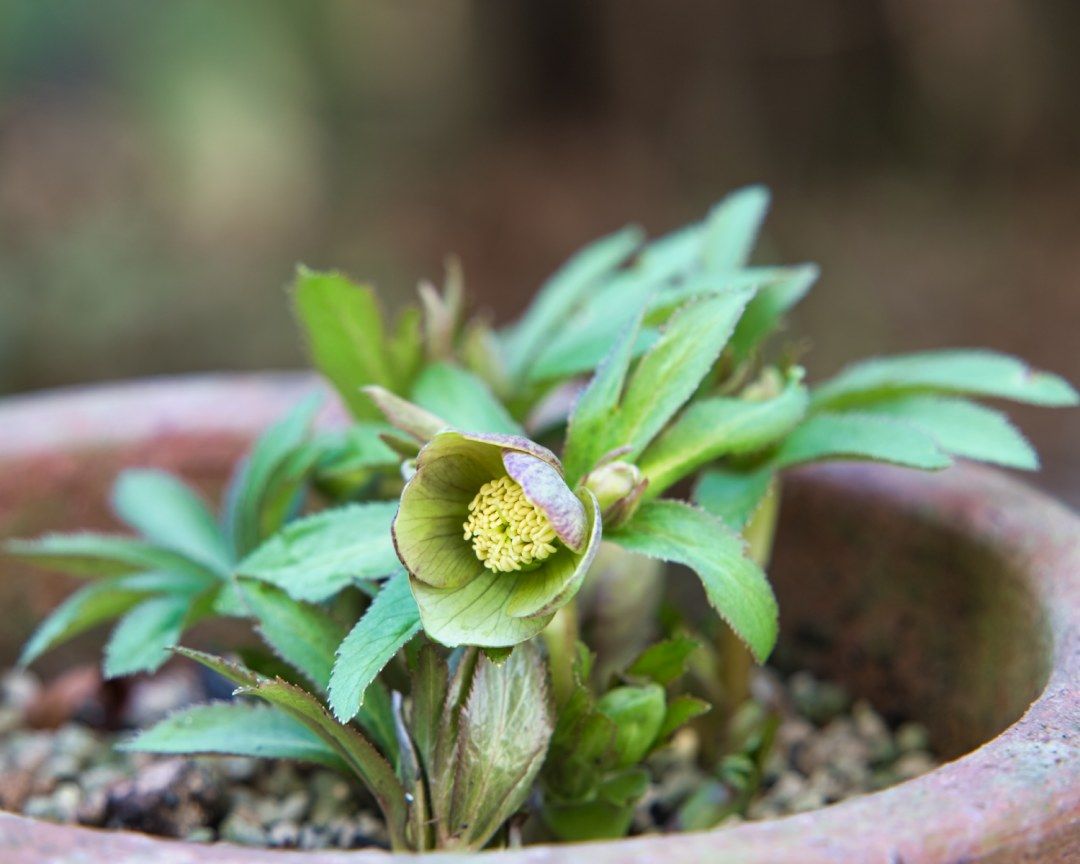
551,307
785,287
142,639
962,428
734,585
91,554
675,255
586,433
732,227
715,427
671,370
707,283
264,477
663,662
170,514
732,496
301,634
860,436
356,751
88,607
958,371
505,729
345,334
463,400
236,729
390,621
680,711
584,340
314,558
227,669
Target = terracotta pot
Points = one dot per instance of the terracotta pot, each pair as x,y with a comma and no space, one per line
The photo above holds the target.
954,598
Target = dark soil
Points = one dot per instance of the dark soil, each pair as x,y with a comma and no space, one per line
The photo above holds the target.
826,749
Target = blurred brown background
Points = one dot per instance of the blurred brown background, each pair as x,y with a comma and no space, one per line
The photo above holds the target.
163,166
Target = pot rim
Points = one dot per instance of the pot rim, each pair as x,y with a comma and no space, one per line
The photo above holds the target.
1009,797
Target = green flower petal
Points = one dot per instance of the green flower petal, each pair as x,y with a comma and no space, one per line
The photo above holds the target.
434,504
461,602
475,613
545,590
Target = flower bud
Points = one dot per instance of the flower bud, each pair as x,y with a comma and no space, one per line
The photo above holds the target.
618,487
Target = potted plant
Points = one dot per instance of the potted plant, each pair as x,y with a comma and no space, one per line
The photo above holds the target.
431,578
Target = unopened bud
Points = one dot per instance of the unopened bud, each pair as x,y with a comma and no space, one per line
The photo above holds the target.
618,487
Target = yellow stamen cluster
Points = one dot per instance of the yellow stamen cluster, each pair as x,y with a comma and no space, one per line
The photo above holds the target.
507,531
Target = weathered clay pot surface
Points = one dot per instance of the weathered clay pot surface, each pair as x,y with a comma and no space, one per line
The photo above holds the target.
952,597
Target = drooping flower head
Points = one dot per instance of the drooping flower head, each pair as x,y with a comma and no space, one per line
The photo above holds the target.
493,538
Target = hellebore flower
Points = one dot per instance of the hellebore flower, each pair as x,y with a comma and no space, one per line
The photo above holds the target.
494,540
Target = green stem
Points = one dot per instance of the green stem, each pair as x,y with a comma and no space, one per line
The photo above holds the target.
736,661
561,637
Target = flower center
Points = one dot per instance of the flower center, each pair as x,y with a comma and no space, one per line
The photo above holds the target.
508,532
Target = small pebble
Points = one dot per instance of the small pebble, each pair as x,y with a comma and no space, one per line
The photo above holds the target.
243,827
912,736
284,834
826,749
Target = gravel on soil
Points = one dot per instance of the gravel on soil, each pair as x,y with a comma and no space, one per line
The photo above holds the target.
826,748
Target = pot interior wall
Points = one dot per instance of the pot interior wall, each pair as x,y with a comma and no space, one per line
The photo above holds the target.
926,622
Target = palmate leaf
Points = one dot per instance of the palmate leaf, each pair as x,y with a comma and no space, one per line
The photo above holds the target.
714,427
550,308
957,371
269,478
389,622
734,585
463,400
302,635
346,336
315,557
170,514
236,729
860,436
142,639
962,428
